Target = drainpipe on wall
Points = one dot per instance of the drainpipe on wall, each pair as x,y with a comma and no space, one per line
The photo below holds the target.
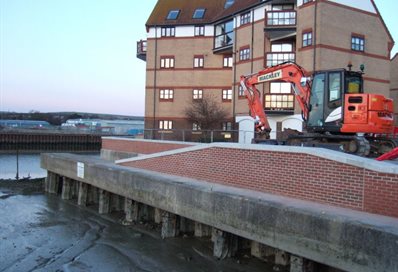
234,67
154,82
315,35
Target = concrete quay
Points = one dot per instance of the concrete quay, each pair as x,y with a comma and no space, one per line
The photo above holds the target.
297,233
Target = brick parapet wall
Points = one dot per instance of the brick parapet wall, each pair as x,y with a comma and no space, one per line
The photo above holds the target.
296,175
140,146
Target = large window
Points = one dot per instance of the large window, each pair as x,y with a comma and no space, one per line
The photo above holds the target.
168,31
281,15
198,61
280,97
227,95
244,53
165,124
358,43
281,52
166,94
307,38
224,34
197,94
334,86
167,62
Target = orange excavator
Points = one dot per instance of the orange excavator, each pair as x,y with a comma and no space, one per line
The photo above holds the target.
336,111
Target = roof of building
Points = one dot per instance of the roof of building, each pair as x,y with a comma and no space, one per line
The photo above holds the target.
215,10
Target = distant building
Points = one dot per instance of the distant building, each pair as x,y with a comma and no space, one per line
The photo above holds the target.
29,124
196,48
119,127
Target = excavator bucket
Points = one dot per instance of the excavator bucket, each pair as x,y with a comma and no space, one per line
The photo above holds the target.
392,155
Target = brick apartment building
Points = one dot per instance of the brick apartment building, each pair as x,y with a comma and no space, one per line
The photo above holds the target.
394,85
202,47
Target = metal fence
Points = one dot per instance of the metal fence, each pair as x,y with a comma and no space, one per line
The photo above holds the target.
202,136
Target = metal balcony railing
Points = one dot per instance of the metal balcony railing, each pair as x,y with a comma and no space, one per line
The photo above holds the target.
224,40
141,49
281,18
276,58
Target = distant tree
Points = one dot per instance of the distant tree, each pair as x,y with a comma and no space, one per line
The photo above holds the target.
74,116
207,113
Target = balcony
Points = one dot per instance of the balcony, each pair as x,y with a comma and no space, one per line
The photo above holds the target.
224,38
280,24
141,49
276,58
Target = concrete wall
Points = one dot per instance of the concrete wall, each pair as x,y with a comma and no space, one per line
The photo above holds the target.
341,238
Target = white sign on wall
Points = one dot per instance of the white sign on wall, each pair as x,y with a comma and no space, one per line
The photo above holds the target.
80,170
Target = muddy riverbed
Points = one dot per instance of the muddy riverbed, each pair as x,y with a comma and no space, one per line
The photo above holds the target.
41,232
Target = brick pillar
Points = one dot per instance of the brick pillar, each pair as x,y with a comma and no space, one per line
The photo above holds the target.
169,225
104,199
67,188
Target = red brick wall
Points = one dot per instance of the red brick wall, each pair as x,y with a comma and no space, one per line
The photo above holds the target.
290,174
141,147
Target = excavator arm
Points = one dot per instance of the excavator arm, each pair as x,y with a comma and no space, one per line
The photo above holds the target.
286,72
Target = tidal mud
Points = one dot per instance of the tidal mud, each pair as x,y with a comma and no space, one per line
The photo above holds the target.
40,232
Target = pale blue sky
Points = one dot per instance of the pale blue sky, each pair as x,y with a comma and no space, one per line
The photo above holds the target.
79,55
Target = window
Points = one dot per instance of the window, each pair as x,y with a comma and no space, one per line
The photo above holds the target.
166,94
199,30
281,15
165,124
241,92
173,14
307,39
199,13
168,31
198,61
245,18
306,1
334,86
224,34
226,126
228,61
197,94
244,54
280,97
195,126
167,62
358,43
227,95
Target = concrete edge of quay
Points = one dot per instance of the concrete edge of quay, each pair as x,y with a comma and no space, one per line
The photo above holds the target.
338,237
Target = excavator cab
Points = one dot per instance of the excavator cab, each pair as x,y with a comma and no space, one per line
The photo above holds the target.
328,92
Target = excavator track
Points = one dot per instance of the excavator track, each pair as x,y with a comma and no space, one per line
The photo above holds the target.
356,145
381,145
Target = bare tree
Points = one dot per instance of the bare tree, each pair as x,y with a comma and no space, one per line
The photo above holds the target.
207,113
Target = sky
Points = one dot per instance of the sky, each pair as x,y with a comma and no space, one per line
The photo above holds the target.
80,55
